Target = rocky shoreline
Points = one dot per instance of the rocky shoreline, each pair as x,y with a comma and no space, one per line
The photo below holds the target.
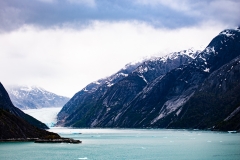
62,140
38,140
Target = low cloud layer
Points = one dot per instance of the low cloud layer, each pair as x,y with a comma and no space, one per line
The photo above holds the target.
65,60
62,45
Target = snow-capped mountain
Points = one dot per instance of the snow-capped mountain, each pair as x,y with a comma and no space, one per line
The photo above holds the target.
109,81
120,88
181,90
154,67
26,97
172,100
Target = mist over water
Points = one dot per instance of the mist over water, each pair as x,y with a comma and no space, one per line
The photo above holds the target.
121,144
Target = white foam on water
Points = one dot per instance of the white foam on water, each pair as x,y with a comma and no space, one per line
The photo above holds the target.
83,158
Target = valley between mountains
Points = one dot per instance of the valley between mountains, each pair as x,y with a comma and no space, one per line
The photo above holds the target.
189,89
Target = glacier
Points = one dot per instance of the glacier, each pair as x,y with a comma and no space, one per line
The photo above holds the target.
45,115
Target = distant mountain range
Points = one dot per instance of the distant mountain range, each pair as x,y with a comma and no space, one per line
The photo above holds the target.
34,97
187,89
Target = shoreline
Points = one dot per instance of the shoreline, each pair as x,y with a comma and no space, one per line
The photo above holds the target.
39,140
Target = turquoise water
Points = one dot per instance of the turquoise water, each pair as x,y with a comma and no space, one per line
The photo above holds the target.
126,144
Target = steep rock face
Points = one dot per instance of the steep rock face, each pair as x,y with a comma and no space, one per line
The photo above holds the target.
108,101
156,105
162,101
25,97
89,95
216,104
6,104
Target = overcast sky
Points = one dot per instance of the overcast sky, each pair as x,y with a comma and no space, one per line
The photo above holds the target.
62,45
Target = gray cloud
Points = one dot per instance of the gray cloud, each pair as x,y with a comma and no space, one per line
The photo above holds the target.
51,51
222,10
158,13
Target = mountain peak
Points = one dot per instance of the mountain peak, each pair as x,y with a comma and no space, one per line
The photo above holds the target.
192,53
23,87
31,97
230,32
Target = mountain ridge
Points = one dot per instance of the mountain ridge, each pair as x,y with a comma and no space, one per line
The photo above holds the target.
181,83
166,99
137,77
34,97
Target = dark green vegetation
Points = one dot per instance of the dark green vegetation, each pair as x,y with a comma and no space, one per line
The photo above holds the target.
12,126
16,124
201,92
6,104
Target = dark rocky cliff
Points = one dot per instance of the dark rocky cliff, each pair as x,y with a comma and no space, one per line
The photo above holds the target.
170,99
6,104
15,124
216,104
14,127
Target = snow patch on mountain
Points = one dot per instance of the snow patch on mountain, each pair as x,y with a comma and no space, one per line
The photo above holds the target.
34,97
143,78
189,52
206,70
236,111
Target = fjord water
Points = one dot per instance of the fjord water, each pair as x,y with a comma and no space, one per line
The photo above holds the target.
121,144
